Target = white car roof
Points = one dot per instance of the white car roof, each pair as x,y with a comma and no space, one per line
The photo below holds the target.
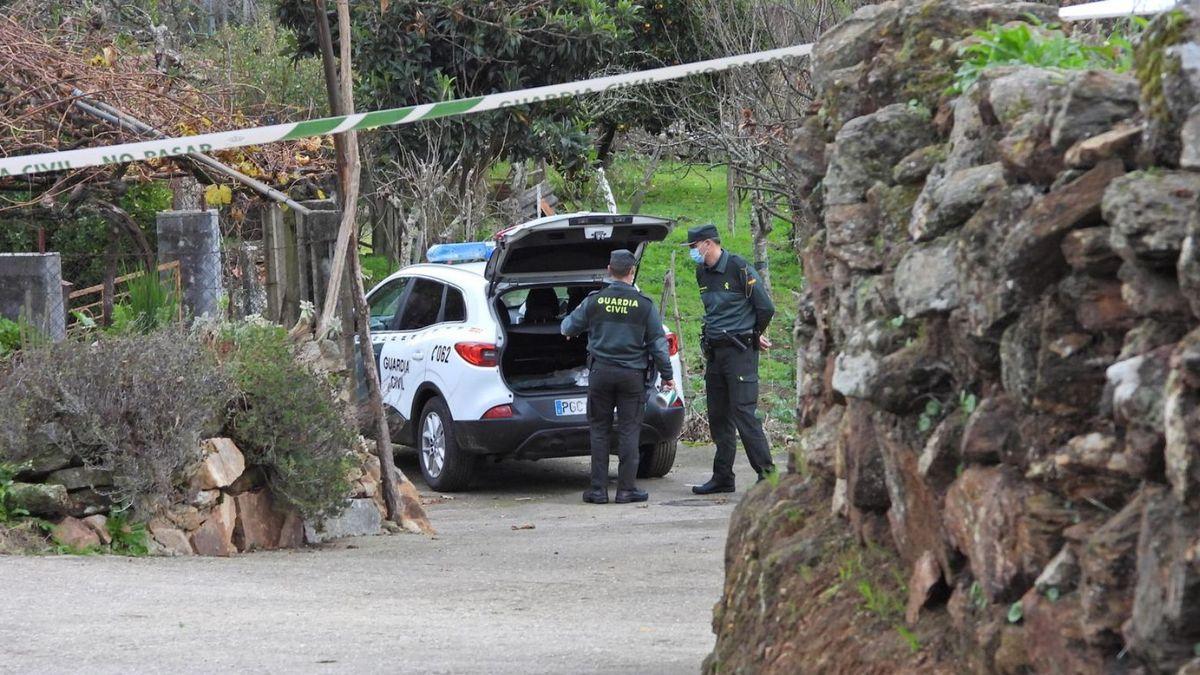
464,274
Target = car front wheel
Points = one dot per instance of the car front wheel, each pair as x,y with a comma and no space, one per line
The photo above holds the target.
444,466
657,459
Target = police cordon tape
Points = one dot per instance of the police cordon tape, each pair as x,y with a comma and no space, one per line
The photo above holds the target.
172,147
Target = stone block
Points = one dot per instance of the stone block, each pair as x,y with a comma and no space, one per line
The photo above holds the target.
194,239
31,289
223,464
359,519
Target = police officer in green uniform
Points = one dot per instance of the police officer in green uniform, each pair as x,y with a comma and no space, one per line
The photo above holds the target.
625,335
737,311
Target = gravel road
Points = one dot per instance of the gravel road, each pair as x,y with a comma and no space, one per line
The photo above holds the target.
523,578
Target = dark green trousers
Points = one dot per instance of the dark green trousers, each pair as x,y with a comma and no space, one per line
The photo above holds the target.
731,383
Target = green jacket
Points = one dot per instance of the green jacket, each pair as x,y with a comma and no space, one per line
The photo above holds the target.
735,300
623,327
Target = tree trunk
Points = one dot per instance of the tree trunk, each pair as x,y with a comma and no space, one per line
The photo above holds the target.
760,229
407,510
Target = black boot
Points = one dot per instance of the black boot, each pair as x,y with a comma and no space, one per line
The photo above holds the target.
597,496
634,495
713,486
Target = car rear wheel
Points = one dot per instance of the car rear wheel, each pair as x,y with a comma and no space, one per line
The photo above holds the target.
657,459
444,466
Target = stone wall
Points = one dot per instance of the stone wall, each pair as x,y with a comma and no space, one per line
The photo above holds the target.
227,506
1002,372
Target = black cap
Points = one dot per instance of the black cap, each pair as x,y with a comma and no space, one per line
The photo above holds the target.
621,260
701,232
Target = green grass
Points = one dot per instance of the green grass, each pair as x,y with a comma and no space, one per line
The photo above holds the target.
696,194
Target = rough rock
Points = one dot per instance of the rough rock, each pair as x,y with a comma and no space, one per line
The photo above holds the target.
1106,564
868,147
922,585
1094,468
851,41
1181,420
990,434
1032,252
1099,305
1167,70
860,459
38,499
79,477
1137,384
939,457
253,478
1189,265
1007,528
215,536
1165,623
1149,214
47,449
173,540
1055,641
1022,101
1150,334
913,169
914,515
188,518
99,525
1152,293
815,448
223,463
1089,251
926,279
74,534
1189,135
1118,143
258,523
948,202
1061,573
359,519
1096,100
291,534
205,499
987,298
88,502
908,375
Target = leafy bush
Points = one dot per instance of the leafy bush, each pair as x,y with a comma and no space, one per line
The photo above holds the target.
150,305
128,538
7,473
1044,46
10,336
287,421
134,405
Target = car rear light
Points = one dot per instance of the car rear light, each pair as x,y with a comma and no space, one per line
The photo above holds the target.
480,354
500,412
672,343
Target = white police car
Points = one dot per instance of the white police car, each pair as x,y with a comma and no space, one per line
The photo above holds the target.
471,360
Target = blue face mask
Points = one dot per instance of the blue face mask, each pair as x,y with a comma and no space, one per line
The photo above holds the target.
696,257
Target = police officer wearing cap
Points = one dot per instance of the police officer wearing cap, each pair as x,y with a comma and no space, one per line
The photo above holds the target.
737,311
625,335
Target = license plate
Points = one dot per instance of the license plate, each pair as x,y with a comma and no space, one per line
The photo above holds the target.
570,406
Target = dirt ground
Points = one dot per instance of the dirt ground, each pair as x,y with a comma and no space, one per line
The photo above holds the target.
612,588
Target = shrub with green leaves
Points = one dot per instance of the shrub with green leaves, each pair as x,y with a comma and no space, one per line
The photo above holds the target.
1043,46
7,513
287,421
135,405
150,305
10,336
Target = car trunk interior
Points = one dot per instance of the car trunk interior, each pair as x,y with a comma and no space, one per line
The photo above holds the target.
536,357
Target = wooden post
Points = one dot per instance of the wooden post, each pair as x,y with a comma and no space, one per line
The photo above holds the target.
402,501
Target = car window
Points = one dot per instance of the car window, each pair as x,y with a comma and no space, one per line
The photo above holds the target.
386,301
423,305
455,308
